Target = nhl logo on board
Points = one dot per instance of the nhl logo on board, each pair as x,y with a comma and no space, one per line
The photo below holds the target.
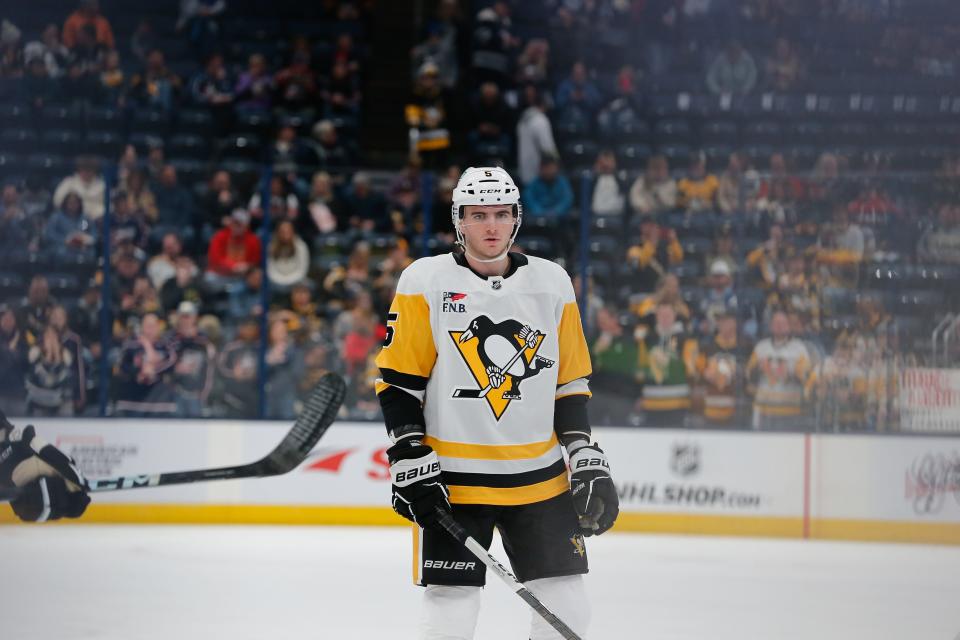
685,459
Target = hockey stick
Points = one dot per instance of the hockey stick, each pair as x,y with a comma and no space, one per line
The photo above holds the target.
459,533
317,415
482,393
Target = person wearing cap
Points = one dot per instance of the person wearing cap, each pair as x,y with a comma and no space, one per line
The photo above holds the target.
719,298
549,195
233,249
425,114
720,364
668,366
192,377
723,245
657,251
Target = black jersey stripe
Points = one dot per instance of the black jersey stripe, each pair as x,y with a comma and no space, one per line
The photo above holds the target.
505,480
405,380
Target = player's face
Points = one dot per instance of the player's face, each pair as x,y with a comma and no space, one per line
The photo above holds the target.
487,229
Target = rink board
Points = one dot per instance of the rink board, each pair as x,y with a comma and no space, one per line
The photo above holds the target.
902,488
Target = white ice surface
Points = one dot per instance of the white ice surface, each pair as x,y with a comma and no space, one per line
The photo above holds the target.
316,583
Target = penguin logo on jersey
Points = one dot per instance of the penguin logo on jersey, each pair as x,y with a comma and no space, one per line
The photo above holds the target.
500,356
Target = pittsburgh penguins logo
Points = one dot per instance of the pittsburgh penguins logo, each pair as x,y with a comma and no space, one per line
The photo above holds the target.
500,356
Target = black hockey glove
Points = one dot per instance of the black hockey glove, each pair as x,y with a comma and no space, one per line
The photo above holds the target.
417,487
594,496
47,483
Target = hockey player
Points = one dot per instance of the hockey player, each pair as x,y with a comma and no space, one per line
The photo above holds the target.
46,483
483,378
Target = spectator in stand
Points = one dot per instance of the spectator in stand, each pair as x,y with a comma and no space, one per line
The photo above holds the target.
780,190
185,285
723,356
304,318
345,52
577,90
343,282
797,292
200,20
254,88
426,115
297,91
87,183
237,367
213,88
19,227
697,191
234,249
778,372
723,250
766,261
341,92
783,69
143,40
288,259
140,196
85,317
534,135
550,194
175,207
113,81
156,86
36,86
654,191
442,226
246,297
50,50
282,372
941,243
74,345
289,151
366,209
843,383
49,380
69,231
825,180
615,381
192,376
145,362
668,291
533,65
319,358
842,248
220,201
330,149
88,13
14,349
608,190
11,51
732,72
664,22
492,43
355,330
325,211
731,190
439,51
163,266
657,250
35,308
493,120
127,226
667,363
719,298
284,204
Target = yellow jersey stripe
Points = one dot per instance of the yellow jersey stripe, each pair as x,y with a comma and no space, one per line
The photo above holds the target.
410,350
491,451
574,353
510,496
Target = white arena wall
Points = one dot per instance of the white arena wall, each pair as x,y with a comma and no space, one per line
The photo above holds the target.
853,487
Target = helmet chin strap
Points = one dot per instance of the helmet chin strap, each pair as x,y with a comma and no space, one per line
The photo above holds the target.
486,260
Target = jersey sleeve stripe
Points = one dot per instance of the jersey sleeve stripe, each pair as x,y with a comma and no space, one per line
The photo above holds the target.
491,451
580,386
574,354
403,380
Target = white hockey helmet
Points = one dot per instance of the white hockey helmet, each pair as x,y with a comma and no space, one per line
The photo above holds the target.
486,186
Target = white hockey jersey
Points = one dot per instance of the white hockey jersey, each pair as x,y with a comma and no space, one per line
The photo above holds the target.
488,357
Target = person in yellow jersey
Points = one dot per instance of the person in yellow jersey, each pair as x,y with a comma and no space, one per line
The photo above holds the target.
484,382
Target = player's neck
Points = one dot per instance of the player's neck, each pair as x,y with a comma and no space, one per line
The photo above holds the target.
498,268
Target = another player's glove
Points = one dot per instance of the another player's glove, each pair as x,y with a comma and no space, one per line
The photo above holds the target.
417,487
594,496
47,483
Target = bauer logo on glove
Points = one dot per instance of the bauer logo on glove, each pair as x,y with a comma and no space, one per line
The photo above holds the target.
594,494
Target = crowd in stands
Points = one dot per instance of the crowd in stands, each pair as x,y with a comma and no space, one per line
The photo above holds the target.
754,258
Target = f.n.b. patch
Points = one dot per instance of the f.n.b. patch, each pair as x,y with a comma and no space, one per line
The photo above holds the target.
452,302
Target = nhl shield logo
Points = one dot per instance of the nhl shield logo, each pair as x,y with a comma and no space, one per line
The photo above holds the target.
685,459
